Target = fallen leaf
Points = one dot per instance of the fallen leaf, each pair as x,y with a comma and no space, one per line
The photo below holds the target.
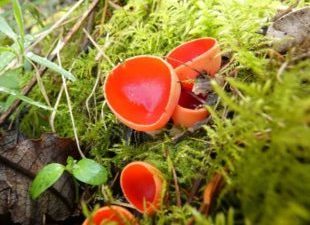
20,160
291,29
211,191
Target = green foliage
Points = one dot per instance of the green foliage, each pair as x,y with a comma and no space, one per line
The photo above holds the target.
24,98
12,54
85,170
45,179
90,172
47,63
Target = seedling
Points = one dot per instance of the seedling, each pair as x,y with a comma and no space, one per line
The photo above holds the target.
84,170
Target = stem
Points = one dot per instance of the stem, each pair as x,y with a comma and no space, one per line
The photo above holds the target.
70,111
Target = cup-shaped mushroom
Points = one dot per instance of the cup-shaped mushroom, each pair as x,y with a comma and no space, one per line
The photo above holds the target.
143,92
111,214
195,57
143,186
190,109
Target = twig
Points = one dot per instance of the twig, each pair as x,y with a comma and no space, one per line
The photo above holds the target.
89,26
281,70
175,179
104,14
122,204
51,57
194,190
98,48
114,5
59,22
176,184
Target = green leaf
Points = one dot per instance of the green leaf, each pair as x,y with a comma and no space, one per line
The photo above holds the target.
19,19
24,98
8,56
50,65
90,172
6,29
11,79
46,178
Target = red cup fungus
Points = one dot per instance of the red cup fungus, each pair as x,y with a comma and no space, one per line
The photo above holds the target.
190,60
142,92
142,185
190,109
194,57
111,214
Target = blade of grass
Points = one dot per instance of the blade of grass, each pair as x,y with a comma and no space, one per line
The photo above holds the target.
49,64
70,111
24,98
17,10
40,83
6,29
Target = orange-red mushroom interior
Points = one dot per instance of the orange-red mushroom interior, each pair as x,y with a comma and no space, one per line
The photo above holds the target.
140,187
139,90
189,51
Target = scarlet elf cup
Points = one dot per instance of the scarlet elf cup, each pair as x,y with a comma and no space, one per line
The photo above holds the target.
111,214
144,92
191,59
143,186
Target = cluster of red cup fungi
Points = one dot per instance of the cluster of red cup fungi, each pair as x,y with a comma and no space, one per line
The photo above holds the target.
145,92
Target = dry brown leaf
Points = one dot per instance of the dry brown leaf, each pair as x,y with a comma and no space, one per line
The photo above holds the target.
211,191
291,29
20,160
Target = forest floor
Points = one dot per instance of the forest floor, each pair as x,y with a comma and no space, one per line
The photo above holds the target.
250,156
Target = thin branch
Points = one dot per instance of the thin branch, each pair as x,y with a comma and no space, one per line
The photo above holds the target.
98,48
58,23
104,15
114,5
175,179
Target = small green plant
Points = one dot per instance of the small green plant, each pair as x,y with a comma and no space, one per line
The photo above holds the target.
84,170
18,55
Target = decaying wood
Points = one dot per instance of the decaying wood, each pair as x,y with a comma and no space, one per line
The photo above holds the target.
20,160
27,89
